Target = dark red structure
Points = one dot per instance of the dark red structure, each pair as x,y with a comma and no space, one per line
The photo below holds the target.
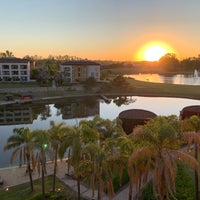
133,117
189,111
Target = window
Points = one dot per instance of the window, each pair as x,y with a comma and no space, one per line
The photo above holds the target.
14,66
5,66
15,72
23,67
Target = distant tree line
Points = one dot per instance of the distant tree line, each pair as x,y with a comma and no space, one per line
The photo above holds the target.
169,63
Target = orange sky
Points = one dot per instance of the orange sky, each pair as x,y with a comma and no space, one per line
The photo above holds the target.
98,30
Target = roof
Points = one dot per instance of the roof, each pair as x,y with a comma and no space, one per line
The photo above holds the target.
136,114
195,108
79,62
188,111
13,60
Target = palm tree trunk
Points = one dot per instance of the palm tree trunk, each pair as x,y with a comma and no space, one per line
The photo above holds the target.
130,195
69,161
99,190
79,191
43,184
30,176
196,179
54,171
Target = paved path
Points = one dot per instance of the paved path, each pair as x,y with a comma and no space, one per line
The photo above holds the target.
15,176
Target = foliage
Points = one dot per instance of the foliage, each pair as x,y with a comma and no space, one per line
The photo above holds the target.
7,54
158,152
184,186
22,192
89,83
116,180
169,62
119,81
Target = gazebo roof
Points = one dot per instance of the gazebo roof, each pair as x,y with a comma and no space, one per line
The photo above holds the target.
188,111
194,108
136,114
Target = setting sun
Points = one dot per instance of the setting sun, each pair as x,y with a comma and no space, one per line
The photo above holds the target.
153,51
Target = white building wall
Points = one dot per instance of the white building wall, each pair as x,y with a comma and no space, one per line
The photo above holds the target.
66,69
22,73
93,71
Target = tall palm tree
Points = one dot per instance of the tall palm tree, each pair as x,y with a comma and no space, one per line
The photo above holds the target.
126,146
158,153
57,134
41,144
7,54
73,141
22,143
190,129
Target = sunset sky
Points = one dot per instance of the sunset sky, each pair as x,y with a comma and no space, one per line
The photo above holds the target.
98,29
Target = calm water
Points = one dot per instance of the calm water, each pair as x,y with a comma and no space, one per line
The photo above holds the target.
73,110
191,79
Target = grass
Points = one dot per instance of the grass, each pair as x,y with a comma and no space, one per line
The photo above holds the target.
134,87
22,192
18,84
163,89
184,185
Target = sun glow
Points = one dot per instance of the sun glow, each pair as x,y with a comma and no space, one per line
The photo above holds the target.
153,51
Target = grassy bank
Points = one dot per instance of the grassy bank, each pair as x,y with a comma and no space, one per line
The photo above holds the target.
134,88
163,89
22,192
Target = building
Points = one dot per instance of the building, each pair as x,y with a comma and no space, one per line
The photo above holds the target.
189,111
80,70
134,117
14,69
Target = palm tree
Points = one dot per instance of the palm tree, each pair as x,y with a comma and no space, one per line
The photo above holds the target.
8,54
73,141
22,141
158,152
57,133
190,129
126,146
105,127
41,144
101,146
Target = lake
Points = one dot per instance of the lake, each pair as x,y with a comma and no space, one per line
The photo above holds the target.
72,110
189,79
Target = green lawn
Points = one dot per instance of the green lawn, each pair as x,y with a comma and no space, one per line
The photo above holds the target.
22,192
184,185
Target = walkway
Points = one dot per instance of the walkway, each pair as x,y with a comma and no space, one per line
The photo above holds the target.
15,176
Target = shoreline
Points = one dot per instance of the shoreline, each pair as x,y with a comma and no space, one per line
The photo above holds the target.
110,95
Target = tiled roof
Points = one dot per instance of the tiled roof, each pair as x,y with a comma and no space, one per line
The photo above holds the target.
79,62
13,60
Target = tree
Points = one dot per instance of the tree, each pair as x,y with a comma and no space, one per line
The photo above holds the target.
41,144
126,146
73,141
57,133
158,152
120,81
22,141
100,139
190,129
169,63
7,54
